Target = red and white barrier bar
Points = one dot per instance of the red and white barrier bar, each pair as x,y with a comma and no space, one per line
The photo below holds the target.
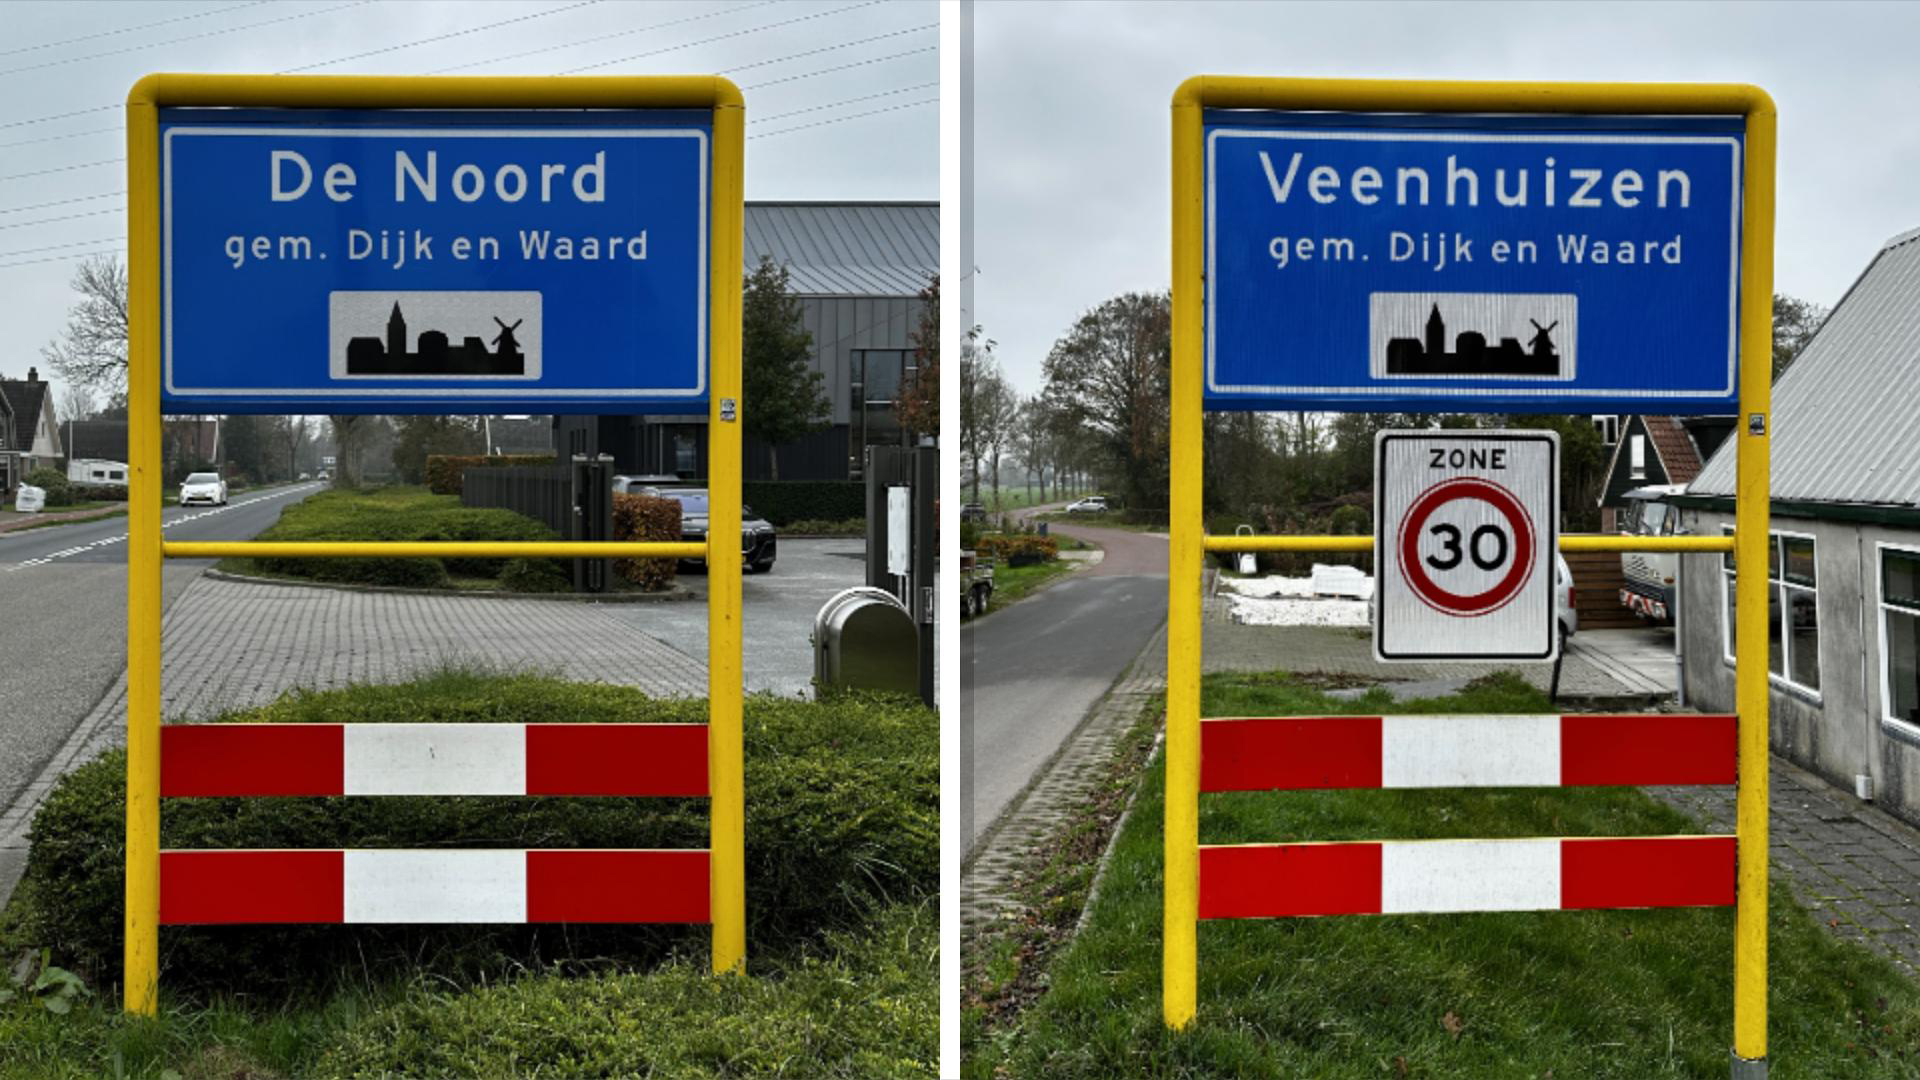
375,886
433,759
1404,877
1440,751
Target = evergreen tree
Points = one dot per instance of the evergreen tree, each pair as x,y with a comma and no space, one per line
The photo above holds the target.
783,395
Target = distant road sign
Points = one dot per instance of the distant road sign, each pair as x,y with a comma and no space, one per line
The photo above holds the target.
422,261
1465,541
1560,264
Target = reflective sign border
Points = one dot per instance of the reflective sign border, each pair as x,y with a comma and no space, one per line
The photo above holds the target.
1189,543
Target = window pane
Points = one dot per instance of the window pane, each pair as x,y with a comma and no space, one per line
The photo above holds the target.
1726,557
1773,558
1804,650
1900,577
1776,653
1903,666
1800,568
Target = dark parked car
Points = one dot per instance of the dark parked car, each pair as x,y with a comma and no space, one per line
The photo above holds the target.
757,539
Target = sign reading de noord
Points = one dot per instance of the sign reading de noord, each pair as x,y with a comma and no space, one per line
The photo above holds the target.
1558,264
1465,545
382,261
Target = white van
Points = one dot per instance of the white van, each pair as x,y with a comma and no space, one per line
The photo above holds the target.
1647,589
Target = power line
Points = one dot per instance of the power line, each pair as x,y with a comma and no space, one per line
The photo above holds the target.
837,104
62,168
843,119
59,116
831,48
64,217
723,37
128,29
600,38
64,258
841,67
57,247
190,37
442,37
57,138
62,202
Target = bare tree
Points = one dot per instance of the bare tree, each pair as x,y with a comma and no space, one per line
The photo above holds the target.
92,350
997,410
976,362
76,403
349,432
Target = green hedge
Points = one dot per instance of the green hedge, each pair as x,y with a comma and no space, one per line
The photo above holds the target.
785,501
445,471
842,817
55,483
864,1006
398,514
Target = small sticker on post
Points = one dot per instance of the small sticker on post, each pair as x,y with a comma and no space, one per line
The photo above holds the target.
726,410
1757,424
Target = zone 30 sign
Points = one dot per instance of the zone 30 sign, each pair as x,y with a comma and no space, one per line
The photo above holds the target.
1466,542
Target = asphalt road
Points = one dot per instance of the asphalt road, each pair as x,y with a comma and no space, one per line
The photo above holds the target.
63,618
777,616
1036,668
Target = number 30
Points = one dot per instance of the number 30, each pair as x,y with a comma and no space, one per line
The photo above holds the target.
1450,537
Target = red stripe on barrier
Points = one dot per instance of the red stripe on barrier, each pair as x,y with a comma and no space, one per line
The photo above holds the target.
618,887
1659,749
1289,753
1269,880
251,759
205,887
616,759
1647,872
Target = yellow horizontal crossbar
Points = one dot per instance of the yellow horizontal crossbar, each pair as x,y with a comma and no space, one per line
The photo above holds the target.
1696,544
448,549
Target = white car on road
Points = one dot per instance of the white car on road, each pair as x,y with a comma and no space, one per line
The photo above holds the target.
203,487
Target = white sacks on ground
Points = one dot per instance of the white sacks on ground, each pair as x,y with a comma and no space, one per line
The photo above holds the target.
1347,581
30,499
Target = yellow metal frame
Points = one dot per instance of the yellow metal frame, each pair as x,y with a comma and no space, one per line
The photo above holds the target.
1187,525
146,549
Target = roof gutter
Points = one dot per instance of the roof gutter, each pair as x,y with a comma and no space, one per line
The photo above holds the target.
1862,513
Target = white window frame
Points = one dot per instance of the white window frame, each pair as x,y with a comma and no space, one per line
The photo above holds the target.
1784,680
1887,719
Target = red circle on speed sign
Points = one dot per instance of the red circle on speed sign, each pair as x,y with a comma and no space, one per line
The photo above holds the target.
1447,601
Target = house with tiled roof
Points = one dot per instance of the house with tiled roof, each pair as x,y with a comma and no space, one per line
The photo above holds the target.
1656,450
29,432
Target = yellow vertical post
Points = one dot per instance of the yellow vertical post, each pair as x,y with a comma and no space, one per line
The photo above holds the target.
1750,561
1180,912
727,843
142,926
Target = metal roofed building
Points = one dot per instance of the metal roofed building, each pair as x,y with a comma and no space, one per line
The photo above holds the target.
858,269
1845,656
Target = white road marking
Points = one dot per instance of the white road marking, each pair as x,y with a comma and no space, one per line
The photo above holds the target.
181,520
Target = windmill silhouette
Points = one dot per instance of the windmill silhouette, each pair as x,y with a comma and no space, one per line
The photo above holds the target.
504,344
1542,343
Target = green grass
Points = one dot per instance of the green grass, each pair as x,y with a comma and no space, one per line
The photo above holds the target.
1628,994
1012,584
1112,519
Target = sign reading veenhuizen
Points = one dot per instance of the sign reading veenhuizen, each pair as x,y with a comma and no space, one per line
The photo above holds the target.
434,262
1498,264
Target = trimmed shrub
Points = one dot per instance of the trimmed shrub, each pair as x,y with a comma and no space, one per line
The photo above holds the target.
444,471
865,1006
100,492
646,517
536,576
58,488
812,527
782,502
1018,549
842,815
394,514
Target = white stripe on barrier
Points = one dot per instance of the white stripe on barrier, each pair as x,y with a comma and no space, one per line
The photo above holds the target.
1469,751
435,759
1469,875
435,886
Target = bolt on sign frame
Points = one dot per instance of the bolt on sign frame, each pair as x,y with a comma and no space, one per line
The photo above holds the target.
1214,755
540,759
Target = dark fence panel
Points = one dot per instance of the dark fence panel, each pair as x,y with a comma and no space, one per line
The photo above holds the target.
541,492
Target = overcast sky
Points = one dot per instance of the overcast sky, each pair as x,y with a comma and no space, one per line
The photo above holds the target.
807,137
1071,120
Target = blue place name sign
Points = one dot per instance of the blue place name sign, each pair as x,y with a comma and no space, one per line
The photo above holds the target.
384,261
1383,263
